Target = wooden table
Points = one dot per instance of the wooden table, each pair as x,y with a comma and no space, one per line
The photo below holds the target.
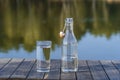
25,69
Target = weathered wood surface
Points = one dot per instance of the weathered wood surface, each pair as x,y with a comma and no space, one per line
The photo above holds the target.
25,69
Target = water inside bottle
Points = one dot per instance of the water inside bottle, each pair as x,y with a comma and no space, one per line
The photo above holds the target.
69,59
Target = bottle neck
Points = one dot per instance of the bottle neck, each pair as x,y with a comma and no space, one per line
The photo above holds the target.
69,27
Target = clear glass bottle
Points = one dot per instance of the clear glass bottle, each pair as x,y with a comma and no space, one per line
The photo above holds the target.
69,48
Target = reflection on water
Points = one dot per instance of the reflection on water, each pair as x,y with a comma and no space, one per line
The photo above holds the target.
22,22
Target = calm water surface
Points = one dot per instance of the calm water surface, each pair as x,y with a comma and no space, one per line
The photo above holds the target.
96,27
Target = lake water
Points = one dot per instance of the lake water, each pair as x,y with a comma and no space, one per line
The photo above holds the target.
96,27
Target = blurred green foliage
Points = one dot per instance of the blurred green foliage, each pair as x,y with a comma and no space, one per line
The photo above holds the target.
26,21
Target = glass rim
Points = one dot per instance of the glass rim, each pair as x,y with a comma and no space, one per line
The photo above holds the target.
45,42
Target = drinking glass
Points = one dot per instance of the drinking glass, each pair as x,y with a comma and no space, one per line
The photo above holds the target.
43,51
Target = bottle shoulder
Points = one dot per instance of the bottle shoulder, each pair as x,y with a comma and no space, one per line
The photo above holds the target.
67,40
69,37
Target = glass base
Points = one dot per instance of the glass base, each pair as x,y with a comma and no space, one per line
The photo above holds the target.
69,70
43,70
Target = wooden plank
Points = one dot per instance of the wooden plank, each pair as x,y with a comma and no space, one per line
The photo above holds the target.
68,76
23,69
97,71
10,68
84,75
55,64
3,62
83,71
111,70
34,75
19,69
54,73
117,64
82,65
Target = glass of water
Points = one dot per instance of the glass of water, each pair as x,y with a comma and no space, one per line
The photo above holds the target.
43,51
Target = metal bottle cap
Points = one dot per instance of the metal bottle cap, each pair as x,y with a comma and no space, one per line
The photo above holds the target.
69,20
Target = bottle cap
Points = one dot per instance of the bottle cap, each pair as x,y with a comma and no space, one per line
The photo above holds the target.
69,20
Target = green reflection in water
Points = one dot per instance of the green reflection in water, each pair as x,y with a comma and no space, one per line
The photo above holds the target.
25,21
